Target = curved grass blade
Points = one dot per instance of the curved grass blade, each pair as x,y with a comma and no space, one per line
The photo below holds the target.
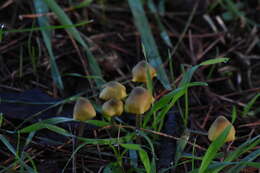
43,21
42,124
64,19
52,121
166,99
50,124
148,41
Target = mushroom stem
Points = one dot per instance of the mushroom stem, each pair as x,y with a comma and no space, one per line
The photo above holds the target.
138,123
74,158
75,144
81,129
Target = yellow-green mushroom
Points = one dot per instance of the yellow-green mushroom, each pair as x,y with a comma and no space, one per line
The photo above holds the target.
83,110
113,90
139,72
138,101
112,107
218,126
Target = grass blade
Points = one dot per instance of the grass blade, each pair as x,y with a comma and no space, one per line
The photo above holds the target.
181,144
249,105
64,19
243,148
142,153
214,61
42,124
43,21
148,41
164,35
248,158
49,27
12,150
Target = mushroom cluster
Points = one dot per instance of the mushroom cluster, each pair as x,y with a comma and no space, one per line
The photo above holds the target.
139,100
113,93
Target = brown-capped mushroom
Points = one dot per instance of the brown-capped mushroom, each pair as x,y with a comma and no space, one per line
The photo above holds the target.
139,101
139,71
113,90
83,110
218,126
112,107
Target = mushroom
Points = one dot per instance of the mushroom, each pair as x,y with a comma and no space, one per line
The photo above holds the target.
139,72
218,126
83,110
113,90
139,101
112,107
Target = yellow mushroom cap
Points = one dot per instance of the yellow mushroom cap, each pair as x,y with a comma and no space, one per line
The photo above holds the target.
83,110
218,126
113,90
139,72
139,101
112,107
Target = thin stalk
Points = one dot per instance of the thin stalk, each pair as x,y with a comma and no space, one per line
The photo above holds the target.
138,121
75,144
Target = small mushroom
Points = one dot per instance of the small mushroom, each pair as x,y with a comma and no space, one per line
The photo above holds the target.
112,107
139,71
218,126
113,90
83,110
139,101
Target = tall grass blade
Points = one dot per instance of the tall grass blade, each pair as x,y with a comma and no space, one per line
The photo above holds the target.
148,41
64,19
43,21
163,33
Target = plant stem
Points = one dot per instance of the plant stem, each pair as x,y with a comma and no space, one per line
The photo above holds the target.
75,144
138,123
